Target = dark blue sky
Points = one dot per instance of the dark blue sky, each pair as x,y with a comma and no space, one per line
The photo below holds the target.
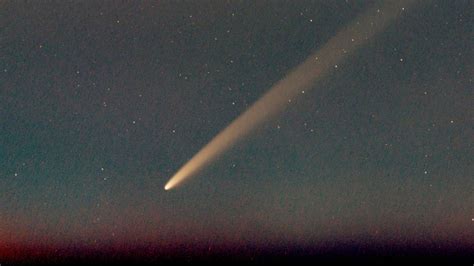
100,103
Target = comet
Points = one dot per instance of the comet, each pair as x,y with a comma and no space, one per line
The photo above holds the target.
303,77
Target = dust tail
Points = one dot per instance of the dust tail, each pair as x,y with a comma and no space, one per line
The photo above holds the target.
304,77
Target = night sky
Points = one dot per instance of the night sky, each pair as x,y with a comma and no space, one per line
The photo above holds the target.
101,102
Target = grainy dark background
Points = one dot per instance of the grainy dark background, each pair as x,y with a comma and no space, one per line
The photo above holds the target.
102,101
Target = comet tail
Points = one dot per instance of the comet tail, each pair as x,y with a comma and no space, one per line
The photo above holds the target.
303,77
